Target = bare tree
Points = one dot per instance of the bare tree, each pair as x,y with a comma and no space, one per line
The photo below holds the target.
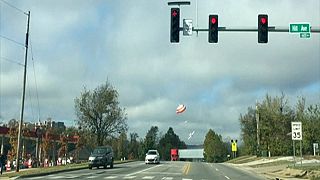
98,111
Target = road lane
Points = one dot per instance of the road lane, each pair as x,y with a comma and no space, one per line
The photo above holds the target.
230,172
119,169
165,171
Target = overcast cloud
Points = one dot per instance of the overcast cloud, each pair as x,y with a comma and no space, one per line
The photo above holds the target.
80,43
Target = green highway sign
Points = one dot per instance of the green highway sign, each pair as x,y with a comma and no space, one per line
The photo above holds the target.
304,35
299,28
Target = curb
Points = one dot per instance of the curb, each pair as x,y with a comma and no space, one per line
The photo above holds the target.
48,173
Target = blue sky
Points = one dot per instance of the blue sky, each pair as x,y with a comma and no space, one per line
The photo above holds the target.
78,44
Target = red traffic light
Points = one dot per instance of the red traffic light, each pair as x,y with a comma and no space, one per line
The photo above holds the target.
213,29
263,20
174,13
262,28
213,20
174,27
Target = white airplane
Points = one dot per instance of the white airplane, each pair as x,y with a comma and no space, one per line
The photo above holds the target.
190,135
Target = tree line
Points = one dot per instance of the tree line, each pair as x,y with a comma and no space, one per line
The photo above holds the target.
274,116
104,122
101,121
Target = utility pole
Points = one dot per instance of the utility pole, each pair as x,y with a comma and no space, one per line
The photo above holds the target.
23,94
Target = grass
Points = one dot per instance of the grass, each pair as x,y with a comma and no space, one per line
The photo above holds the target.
43,170
275,163
308,167
243,159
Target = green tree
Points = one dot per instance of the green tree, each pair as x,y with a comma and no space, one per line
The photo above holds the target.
169,141
123,146
134,146
248,125
214,149
151,139
275,117
310,118
99,112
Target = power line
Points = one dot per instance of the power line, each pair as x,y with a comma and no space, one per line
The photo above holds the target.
11,60
9,39
14,7
30,99
35,79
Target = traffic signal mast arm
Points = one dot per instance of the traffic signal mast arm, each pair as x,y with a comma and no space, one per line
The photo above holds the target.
253,29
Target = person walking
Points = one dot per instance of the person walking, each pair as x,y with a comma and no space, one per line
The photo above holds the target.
2,161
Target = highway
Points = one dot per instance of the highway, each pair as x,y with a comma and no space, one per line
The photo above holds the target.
164,171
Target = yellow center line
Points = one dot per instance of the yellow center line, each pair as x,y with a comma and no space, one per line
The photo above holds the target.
186,168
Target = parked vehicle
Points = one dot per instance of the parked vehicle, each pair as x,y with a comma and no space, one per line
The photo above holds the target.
101,156
152,156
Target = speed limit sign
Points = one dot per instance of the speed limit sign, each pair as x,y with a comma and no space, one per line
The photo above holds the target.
296,129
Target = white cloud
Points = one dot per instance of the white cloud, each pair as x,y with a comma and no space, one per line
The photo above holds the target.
127,42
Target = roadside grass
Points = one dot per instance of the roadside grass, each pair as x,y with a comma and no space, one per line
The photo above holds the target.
243,159
275,163
52,169
308,167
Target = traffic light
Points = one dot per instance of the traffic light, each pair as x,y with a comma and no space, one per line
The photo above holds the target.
175,25
213,29
262,28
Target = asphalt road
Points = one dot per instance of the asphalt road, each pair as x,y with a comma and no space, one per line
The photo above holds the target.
163,171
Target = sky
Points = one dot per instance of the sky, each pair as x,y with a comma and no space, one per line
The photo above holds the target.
78,43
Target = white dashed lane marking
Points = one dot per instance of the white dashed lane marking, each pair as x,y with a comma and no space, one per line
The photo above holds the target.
148,177
111,177
129,177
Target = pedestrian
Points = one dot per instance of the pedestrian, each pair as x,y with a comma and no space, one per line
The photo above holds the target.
2,161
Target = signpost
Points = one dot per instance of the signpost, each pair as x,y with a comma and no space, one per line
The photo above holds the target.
315,148
302,28
296,130
234,148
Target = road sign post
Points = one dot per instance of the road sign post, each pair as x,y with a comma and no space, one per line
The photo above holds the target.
315,148
234,148
296,130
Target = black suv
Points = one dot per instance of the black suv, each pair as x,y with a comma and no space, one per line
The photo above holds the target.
101,156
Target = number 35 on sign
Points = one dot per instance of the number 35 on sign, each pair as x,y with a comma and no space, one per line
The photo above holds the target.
296,129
